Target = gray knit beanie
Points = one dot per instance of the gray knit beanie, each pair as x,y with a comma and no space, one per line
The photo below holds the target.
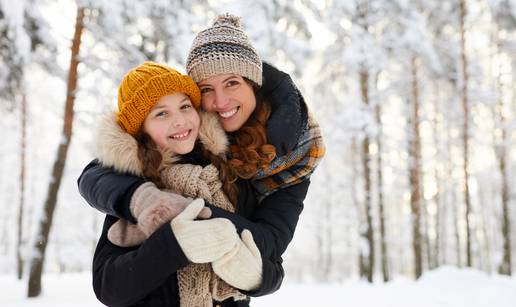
224,49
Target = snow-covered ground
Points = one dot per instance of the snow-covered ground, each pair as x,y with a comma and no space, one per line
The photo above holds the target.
445,287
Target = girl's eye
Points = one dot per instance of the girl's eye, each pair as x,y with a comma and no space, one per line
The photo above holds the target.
161,114
186,106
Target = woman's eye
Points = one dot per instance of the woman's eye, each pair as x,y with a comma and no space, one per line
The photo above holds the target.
160,114
205,90
232,83
186,107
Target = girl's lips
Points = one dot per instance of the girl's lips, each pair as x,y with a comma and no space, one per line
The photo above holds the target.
181,135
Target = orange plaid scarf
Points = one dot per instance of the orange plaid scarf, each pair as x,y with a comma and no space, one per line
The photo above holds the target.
294,167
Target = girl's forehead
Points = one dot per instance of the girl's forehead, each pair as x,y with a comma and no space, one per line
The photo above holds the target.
173,98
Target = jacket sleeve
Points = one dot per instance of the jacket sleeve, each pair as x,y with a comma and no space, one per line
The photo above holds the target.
272,278
124,276
274,221
108,190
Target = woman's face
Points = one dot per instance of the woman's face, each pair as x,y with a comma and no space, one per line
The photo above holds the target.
173,124
231,97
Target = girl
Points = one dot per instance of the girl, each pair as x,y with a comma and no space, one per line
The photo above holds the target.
156,125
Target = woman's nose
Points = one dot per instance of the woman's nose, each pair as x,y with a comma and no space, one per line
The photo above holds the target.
221,100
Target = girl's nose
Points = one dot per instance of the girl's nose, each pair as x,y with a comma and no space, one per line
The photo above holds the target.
178,120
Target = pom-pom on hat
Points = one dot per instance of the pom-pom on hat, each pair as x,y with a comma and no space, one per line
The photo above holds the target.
224,49
143,86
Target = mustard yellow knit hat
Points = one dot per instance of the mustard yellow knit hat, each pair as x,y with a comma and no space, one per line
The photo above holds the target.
143,86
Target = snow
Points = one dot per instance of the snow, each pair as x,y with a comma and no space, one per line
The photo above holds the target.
446,286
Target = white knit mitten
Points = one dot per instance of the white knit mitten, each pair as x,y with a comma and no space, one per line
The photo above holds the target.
203,241
242,266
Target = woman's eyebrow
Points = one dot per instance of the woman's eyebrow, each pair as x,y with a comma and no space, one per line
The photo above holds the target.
232,76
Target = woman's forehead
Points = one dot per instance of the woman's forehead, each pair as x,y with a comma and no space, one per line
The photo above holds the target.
220,78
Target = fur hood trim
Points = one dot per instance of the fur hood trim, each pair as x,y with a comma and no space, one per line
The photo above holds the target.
212,135
118,149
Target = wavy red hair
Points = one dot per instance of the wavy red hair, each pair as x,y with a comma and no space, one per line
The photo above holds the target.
250,151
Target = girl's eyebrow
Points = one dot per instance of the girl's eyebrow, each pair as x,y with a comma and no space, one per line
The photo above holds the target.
162,106
157,107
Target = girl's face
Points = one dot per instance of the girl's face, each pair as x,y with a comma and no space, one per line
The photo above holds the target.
173,124
231,97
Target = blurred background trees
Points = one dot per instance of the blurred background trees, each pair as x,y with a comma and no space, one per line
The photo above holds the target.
416,100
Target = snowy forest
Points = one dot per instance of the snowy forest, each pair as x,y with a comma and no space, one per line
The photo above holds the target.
416,101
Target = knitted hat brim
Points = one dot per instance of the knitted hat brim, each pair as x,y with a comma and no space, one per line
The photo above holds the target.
207,69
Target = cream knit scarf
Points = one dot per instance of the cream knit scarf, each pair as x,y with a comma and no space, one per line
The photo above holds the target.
198,284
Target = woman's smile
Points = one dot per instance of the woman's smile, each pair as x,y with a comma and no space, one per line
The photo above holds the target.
229,114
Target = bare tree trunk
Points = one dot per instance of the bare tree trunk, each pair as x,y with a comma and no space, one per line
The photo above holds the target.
439,214
19,234
415,174
354,174
456,225
506,265
37,261
366,159
426,233
501,154
484,216
379,173
465,129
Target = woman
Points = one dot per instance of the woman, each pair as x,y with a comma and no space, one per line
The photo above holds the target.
287,140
